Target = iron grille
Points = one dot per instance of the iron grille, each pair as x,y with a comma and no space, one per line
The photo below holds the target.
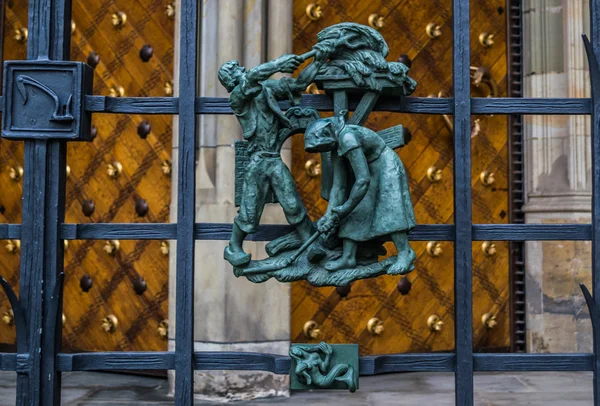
39,361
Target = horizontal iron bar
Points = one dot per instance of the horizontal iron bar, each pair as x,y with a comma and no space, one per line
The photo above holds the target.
243,361
119,231
414,105
268,232
8,362
10,231
132,105
533,362
532,106
280,364
381,364
100,361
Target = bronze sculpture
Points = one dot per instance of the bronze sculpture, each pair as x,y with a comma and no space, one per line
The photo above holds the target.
363,178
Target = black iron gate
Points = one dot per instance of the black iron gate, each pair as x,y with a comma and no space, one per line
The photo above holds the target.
66,85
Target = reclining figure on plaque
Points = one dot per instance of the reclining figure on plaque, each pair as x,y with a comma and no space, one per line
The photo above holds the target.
363,178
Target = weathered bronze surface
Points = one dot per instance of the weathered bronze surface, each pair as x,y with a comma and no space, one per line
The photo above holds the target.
324,366
367,186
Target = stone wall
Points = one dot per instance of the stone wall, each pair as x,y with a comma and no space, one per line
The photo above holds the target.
233,314
558,168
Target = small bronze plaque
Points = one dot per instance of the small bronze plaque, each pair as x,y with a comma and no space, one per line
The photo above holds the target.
324,366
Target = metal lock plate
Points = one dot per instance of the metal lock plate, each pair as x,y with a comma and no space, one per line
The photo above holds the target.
45,100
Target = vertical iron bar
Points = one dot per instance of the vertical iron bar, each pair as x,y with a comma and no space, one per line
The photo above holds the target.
595,128
462,205
186,206
43,211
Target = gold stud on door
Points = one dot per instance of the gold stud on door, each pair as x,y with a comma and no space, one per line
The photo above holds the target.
311,330
110,323
434,323
375,326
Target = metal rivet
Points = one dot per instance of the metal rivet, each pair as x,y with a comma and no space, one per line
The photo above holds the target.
487,178
166,167
117,91
489,321
67,171
141,207
111,247
375,326
404,286
311,330
13,246
486,39
73,27
163,329
93,132
140,285
170,10
376,21
110,323
93,59
488,248
146,53
312,168
405,60
15,173
66,244
164,247
144,128
433,30
434,248
8,317
435,323
118,19
407,135
168,88
21,35
64,319
434,174
88,207
344,291
114,170
86,282
314,12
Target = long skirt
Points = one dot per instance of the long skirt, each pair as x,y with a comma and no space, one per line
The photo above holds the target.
387,207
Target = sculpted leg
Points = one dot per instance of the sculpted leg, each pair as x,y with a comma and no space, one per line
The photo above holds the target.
406,256
348,259
234,253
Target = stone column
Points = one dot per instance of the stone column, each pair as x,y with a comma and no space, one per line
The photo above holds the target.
233,314
558,167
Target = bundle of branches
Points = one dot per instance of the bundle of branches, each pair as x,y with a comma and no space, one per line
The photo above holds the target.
360,53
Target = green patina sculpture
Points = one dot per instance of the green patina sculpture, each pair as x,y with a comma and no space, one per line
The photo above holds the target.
324,366
363,178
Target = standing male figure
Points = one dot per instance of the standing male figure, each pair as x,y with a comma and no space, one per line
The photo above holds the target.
254,100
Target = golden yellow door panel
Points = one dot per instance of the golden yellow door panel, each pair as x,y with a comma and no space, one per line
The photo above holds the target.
415,313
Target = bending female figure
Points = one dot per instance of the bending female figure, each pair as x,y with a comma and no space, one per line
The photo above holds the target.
377,204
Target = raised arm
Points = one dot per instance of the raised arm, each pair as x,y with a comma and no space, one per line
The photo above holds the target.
307,76
284,64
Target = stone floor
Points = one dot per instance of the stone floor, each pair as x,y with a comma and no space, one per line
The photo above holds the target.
533,389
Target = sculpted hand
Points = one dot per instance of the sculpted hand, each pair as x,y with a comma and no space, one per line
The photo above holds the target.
327,223
289,63
324,50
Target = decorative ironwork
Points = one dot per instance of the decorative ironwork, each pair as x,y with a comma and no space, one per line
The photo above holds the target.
363,178
43,229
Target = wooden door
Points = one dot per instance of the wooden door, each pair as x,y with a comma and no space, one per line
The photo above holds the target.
404,305
130,43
